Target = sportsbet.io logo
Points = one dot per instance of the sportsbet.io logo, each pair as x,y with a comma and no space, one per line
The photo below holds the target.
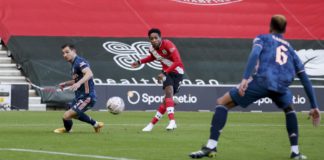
135,97
207,2
126,54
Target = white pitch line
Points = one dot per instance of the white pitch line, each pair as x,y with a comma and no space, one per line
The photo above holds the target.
62,153
139,124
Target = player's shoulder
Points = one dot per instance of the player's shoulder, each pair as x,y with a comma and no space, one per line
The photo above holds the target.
80,61
167,42
258,38
263,36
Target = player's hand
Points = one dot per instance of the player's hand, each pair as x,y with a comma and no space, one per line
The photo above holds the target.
135,64
75,86
161,77
62,85
315,115
243,86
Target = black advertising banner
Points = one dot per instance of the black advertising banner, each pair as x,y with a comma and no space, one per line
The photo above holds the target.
191,98
207,61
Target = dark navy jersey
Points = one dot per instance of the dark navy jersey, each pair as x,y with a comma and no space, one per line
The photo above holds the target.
87,88
278,62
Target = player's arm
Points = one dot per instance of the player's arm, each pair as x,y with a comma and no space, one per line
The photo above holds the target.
252,62
87,74
308,88
314,112
307,84
147,59
66,84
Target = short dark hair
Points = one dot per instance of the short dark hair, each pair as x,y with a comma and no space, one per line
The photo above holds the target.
71,46
278,23
154,30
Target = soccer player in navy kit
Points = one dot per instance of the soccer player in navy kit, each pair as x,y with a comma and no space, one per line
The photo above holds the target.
168,55
276,65
83,86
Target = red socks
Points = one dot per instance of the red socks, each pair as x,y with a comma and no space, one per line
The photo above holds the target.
158,114
169,103
169,106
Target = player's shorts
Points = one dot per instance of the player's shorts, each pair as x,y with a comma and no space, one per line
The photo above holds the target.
174,80
255,92
83,103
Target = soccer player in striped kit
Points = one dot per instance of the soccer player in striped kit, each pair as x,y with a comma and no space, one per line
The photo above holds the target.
167,54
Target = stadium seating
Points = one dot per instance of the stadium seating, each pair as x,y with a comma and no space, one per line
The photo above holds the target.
9,74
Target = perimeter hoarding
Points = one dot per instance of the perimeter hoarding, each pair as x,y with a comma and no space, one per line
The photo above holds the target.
206,61
14,95
191,98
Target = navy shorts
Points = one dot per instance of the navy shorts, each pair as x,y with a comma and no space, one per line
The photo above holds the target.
255,92
173,79
83,103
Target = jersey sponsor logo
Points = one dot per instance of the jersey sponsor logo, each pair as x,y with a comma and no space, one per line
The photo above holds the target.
164,51
207,2
126,54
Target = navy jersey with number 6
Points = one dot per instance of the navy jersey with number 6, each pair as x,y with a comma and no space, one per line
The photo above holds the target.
87,88
278,62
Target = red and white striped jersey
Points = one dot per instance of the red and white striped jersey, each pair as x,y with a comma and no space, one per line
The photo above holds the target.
168,55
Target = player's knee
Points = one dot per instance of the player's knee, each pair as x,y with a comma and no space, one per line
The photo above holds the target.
220,101
168,92
288,109
67,115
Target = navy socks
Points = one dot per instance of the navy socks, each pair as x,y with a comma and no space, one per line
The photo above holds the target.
292,127
218,122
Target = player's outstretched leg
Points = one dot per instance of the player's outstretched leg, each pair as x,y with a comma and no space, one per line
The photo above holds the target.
217,124
155,119
67,121
204,152
85,118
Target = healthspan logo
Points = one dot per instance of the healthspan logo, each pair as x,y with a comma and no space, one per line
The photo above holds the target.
207,2
135,97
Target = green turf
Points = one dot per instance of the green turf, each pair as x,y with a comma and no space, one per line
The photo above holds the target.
259,136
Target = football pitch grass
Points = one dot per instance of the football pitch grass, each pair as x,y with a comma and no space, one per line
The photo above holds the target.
261,136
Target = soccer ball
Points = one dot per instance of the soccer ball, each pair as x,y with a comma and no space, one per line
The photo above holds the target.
115,105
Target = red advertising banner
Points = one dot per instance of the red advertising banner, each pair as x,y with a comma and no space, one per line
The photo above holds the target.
176,18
